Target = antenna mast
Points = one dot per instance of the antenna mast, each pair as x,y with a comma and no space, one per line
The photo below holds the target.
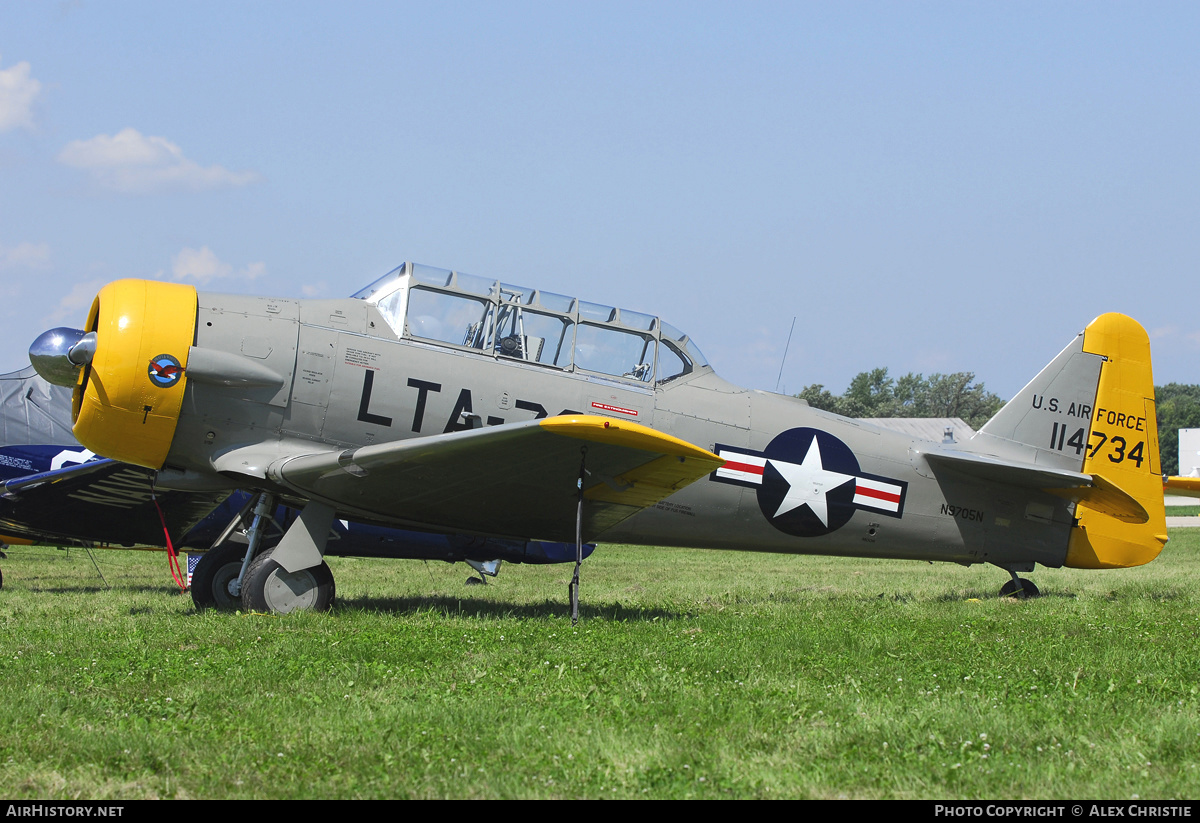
785,351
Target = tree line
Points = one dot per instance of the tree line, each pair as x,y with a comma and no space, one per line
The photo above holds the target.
875,394
1177,406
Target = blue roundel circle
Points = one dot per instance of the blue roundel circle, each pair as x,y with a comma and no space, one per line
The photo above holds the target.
165,371
808,483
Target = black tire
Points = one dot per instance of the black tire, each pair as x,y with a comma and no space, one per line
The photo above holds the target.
268,588
217,569
1028,590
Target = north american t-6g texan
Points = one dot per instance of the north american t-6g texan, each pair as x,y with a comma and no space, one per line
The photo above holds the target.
444,401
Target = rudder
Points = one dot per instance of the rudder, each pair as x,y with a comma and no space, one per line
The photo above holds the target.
1122,449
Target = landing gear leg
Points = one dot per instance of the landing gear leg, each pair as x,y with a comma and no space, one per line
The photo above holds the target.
217,581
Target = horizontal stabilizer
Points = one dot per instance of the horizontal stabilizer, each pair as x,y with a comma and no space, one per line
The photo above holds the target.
1183,486
1100,494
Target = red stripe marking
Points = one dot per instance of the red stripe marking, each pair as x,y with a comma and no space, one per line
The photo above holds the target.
749,468
606,407
865,491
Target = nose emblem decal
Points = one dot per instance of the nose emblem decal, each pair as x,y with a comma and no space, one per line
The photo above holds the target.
165,371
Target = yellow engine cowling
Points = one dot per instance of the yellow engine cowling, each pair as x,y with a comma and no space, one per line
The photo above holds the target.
127,400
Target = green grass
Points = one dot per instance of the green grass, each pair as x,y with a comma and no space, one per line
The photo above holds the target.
692,674
1183,511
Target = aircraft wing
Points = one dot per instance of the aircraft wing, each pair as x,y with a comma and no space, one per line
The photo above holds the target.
518,480
1098,492
14,488
101,501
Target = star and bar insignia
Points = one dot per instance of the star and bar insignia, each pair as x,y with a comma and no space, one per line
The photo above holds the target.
809,483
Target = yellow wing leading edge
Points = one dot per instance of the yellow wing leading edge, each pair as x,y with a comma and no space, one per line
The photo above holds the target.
682,463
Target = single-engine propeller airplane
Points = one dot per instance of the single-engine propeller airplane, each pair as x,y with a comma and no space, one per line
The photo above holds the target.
439,400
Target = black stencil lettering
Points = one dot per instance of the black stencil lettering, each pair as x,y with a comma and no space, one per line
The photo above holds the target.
364,402
423,387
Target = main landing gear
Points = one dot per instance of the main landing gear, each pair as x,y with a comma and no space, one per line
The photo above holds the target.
218,578
234,575
215,581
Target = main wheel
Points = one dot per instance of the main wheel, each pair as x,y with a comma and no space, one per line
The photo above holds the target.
269,588
215,577
1028,590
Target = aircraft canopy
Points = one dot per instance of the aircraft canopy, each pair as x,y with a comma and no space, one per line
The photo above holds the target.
520,323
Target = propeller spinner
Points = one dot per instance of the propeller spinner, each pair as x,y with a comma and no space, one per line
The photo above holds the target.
59,354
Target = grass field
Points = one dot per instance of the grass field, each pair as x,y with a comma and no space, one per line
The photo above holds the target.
692,674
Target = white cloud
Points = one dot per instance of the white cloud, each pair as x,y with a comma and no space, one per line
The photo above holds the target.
74,305
17,92
24,256
133,163
203,266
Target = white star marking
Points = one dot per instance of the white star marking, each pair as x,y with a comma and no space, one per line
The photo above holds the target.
808,483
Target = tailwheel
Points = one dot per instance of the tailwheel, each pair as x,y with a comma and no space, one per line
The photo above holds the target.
486,569
1020,588
215,580
268,587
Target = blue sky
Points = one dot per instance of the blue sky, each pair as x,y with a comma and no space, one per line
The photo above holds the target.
930,187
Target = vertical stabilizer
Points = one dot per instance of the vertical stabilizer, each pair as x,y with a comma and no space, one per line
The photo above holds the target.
1047,423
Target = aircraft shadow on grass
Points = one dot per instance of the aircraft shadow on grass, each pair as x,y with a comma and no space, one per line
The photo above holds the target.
452,606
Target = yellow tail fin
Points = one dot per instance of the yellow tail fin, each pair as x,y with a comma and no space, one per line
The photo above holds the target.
1122,449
